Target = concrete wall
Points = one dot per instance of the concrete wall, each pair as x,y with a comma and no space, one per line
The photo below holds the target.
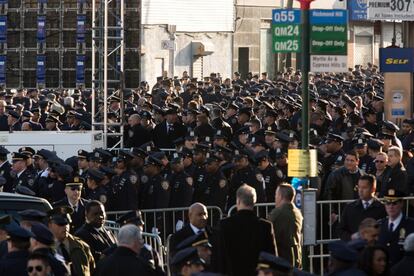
154,58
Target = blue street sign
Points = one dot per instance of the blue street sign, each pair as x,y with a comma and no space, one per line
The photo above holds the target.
286,16
329,17
80,69
397,59
80,28
3,29
41,69
358,10
41,28
3,69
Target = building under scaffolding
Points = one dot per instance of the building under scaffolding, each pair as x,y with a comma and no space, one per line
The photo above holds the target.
48,43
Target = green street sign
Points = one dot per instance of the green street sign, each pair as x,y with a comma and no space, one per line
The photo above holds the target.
328,32
286,38
328,39
286,31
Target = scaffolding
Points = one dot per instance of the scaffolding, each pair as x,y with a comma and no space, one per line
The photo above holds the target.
108,68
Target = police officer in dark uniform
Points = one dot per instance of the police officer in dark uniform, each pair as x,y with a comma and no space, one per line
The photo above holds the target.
189,166
396,227
245,174
155,190
181,183
334,145
23,176
5,169
232,120
218,123
199,174
226,164
96,190
124,192
271,176
365,160
215,187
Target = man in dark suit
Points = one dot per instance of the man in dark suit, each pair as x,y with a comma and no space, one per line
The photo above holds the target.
241,238
73,191
5,169
171,129
367,206
396,227
124,260
93,231
287,224
198,217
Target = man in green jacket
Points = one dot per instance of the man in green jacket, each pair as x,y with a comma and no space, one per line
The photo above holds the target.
287,224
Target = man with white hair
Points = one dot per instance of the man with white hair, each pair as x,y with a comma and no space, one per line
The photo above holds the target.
124,260
404,267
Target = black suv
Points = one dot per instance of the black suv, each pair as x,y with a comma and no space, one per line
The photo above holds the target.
10,204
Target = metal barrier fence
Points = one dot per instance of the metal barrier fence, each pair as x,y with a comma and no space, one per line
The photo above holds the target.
165,221
153,240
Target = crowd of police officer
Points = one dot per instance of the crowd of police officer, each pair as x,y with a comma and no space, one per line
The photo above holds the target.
219,134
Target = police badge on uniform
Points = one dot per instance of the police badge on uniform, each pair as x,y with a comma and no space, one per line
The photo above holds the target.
165,185
133,178
222,183
401,238
279,174
30,182
259,177
144,179
103,199
189,181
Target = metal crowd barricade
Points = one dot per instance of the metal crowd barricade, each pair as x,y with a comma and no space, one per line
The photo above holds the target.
150,239
164,221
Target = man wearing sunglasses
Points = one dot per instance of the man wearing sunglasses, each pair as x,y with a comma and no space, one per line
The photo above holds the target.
396,227
38,265
73,199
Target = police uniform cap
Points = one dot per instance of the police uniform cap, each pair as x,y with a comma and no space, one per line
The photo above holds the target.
190,136
124,155
3,151
176,157
219,134
279,153
341,251
271,113
186,256
134,217
107,170
44,153
61,215
359,142
390,126
375,144
202,147
75,182
239,154
27,113
151,160
23,190
10,107
35,110
15,231
13,114
286,136
246,110
187,152
268,261
194,241
193,111
334,137
138,152
5,220
350,102
382,135
95,156
83,154
212,158
393,195
243,130
261,155
96,175
42,234
357,244
27,151
17,156
32,215
78,116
